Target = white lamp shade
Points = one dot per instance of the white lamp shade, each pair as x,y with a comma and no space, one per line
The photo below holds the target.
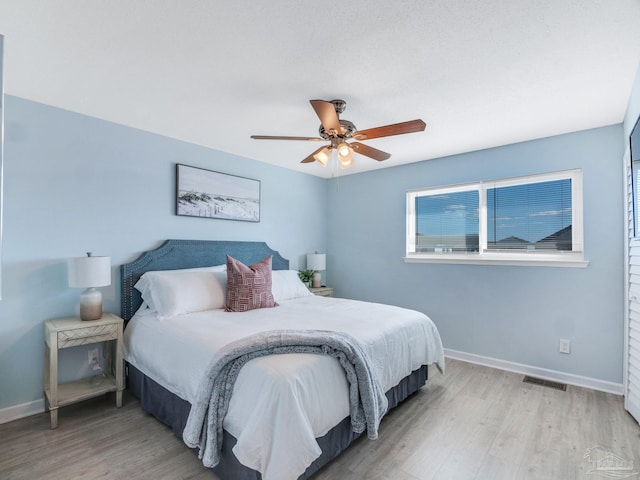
345,155
323,156
85,272
316,261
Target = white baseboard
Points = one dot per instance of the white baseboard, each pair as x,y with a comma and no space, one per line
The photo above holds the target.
544,373
20,411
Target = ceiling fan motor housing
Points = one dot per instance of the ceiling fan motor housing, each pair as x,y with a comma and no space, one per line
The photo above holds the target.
339,105
347,130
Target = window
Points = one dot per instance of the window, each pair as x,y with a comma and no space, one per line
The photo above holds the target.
518,221
635,182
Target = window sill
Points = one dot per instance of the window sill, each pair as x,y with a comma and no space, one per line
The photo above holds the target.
519,261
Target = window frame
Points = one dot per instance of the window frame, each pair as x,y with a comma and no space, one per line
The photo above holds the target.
2,105
573,258
634,159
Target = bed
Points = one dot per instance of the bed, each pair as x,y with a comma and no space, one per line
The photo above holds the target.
303,422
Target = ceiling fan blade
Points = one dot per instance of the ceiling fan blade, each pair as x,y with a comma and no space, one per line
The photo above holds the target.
326,112
271,137
388,130
310,158
370,152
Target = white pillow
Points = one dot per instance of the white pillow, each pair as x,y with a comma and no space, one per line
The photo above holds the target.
143,283
174,292
286,285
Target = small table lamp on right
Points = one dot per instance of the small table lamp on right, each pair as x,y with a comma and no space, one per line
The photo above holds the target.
316,262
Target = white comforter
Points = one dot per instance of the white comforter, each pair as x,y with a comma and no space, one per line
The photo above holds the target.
281,403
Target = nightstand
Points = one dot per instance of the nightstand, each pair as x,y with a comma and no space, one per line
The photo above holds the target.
70,332
322,291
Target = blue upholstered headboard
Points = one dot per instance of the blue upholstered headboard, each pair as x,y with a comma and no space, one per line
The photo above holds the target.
175,254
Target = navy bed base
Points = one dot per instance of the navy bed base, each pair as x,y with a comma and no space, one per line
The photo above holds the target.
173,412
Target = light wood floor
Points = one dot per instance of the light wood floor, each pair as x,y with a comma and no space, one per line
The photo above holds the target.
473,423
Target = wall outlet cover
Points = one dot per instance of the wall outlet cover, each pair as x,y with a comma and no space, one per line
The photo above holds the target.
93,356
565,346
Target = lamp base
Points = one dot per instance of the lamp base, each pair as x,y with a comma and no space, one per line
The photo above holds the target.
91,304
317,280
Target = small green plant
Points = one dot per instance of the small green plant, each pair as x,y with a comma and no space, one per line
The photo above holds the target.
305,276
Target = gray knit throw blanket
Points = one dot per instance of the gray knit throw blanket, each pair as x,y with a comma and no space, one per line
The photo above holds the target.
367,400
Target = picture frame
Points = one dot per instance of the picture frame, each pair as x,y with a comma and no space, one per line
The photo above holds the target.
210,194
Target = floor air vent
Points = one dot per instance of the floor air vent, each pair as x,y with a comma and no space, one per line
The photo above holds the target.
545,383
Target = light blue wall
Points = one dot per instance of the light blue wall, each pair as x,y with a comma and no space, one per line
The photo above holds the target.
75,184
511,313
516,314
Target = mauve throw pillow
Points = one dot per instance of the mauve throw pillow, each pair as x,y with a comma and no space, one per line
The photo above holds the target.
249,287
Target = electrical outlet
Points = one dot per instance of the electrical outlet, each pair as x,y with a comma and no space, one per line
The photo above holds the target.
565,346
93,357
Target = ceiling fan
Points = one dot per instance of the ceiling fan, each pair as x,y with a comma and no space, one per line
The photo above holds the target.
338,131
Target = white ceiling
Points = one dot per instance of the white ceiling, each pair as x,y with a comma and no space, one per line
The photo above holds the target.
212,72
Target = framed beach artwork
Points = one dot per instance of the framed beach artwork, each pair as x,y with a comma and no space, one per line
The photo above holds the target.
209,194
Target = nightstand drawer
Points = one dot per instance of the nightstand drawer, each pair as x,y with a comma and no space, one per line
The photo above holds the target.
87,335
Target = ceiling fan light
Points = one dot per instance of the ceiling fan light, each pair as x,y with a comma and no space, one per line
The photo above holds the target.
323,156
346,162
345,155
344,150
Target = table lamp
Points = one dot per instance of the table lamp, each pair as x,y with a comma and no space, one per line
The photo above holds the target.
90,272
316,262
